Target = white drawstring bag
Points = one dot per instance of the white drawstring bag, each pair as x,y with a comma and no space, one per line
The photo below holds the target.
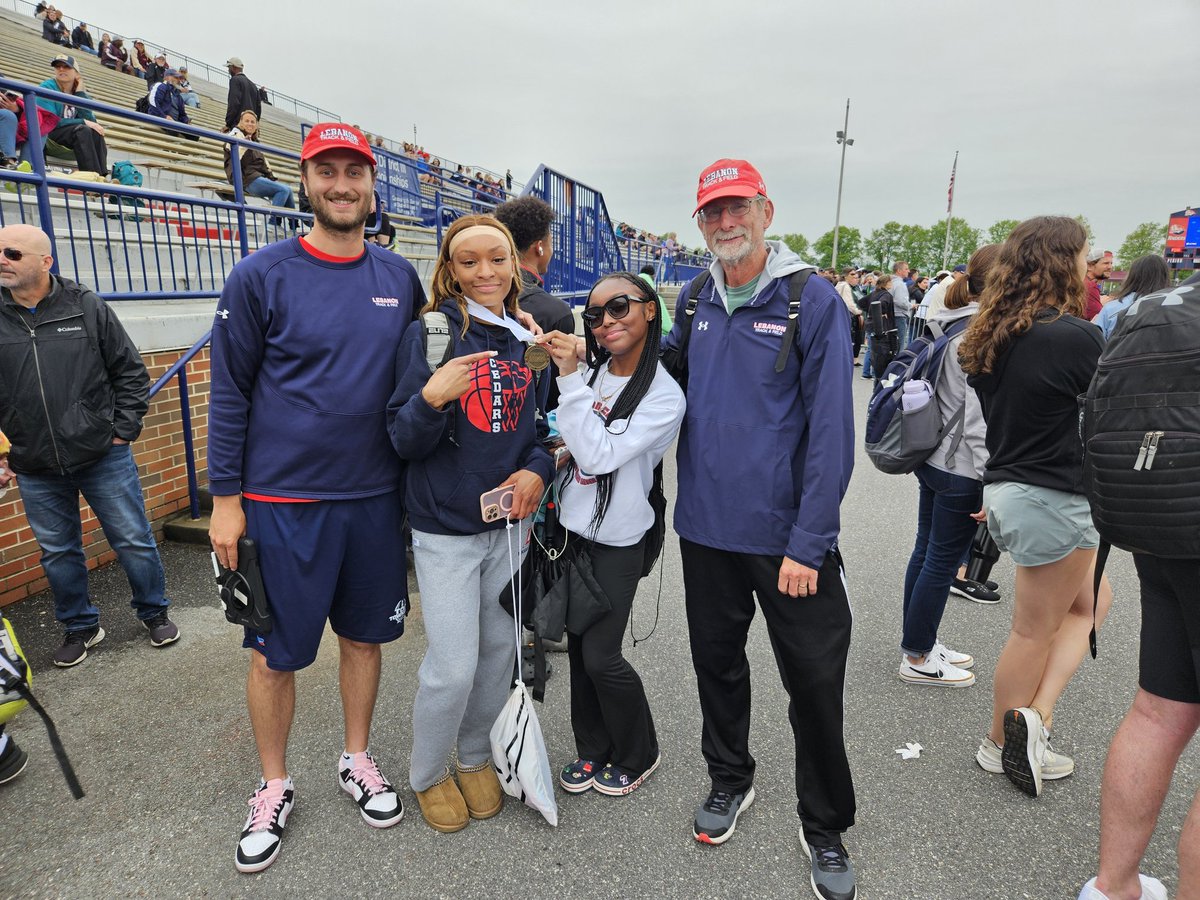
518,750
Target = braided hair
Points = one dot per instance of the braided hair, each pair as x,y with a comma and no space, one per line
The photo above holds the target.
633,392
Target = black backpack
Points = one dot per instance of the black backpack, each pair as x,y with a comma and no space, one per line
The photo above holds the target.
675,360
1140,427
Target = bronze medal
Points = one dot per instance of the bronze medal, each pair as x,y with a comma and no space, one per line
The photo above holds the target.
537,357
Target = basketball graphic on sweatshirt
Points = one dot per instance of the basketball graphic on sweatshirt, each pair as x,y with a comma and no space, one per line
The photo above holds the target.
494,401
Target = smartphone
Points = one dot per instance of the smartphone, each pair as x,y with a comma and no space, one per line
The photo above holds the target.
12,95
496,504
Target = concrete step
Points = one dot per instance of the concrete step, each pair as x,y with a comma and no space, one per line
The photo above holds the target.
186,530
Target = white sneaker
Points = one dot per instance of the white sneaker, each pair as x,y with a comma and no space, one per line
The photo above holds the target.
262,835
1152,889
377,800
1054,765
936,671
1024,747
959,660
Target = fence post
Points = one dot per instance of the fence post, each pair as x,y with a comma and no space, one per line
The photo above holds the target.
189,451
239,196
38,158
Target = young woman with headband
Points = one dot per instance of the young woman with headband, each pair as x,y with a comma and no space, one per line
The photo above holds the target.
617,420
467,429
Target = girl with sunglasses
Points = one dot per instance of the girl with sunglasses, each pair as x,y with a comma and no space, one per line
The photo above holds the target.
466,430
618,420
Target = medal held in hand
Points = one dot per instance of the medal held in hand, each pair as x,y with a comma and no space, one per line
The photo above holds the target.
537,357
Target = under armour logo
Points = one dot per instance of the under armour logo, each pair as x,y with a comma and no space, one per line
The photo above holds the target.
223,313
703,326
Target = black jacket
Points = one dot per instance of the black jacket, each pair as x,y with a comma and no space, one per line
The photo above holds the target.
71,380
243,95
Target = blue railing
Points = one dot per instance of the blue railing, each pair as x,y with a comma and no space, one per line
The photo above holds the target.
218,75
179,372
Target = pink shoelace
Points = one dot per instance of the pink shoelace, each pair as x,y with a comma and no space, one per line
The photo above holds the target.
367,774
265,802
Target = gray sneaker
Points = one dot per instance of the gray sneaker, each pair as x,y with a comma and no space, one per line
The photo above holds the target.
162,630
832,875
75,646
716,819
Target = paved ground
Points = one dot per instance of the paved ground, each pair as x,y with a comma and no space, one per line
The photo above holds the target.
162,743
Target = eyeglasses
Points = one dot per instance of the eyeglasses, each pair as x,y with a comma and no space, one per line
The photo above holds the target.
736,208
13,254
617,308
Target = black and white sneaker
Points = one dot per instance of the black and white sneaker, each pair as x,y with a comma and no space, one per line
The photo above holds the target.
832,875
936,671
262,834
717,817
1023,750
75,646
973,590
12,761
377,800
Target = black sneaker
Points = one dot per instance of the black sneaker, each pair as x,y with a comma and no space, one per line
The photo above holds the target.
716,819
162,630
972,590
832,875
578,776
616,781
75,646
12,761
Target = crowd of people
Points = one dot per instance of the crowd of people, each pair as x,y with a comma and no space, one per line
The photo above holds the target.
1029,323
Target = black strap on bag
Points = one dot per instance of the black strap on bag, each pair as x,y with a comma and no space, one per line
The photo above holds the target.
13,678
795,289
1101,559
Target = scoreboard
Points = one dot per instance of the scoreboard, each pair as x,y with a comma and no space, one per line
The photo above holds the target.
1183,239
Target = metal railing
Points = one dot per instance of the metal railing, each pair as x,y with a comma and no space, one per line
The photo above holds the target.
216,74
179,372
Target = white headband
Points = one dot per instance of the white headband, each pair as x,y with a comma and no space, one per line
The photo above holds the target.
473,231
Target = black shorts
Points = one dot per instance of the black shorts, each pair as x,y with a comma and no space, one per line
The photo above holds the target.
1169,662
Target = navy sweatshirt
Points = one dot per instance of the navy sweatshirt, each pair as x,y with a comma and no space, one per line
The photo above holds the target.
303,363
496,429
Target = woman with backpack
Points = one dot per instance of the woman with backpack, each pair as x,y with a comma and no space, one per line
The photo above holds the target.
881,328
951,491
467,430
618,420
1029,355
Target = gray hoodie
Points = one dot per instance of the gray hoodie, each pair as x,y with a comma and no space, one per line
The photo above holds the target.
970,457
781,261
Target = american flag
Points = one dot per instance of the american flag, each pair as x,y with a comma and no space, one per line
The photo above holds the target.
950,193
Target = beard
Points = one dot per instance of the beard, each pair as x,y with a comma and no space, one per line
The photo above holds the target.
335,220
734,254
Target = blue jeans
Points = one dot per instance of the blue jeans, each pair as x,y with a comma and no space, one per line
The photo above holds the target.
111,487
278,194
944,532
8,133
191,99
866,366
902,333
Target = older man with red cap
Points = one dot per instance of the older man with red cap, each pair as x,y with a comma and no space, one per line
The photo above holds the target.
299,460
765,457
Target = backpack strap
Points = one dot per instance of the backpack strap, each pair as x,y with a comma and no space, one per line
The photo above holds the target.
1101,559
795,289
677,362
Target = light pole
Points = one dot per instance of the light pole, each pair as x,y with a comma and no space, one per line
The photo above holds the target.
845,141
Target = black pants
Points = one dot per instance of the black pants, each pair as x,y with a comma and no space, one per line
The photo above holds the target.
91,152
1169,659
810,637
609,712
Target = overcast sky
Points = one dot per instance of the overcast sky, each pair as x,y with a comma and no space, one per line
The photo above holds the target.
1057,106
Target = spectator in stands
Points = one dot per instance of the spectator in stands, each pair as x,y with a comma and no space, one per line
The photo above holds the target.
77,128
39,11
54,29
270,384
257,178
140,59
157,69
84,361
529,219
10,111
165,100
81,39
190,97
116,56
102,47
243,95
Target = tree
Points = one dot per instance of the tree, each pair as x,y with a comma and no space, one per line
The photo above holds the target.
1148,239
849,247
920,249
883,244
999,232
964,240
797,243
1087,226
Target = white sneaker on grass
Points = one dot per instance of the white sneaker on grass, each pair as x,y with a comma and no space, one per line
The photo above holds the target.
935,671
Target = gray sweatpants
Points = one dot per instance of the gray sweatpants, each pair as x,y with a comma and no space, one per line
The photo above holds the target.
469,663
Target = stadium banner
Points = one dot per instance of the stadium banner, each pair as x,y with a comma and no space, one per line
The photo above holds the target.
398,182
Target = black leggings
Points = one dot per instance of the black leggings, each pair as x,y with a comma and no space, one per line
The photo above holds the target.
609,711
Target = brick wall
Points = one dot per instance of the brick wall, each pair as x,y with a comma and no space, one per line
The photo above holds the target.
160,458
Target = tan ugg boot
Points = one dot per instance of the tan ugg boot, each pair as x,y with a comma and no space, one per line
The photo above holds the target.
481,790
443,807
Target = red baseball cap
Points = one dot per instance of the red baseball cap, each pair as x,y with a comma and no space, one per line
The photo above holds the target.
728,178
335,136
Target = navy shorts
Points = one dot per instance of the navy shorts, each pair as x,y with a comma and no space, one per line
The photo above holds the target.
340,561
1169,659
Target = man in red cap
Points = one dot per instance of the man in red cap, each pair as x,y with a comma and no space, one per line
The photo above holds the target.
299,460
770,407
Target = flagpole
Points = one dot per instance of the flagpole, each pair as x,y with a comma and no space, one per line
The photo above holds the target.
949,213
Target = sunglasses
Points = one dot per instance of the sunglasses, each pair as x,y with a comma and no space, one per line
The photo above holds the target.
13,254
617,308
